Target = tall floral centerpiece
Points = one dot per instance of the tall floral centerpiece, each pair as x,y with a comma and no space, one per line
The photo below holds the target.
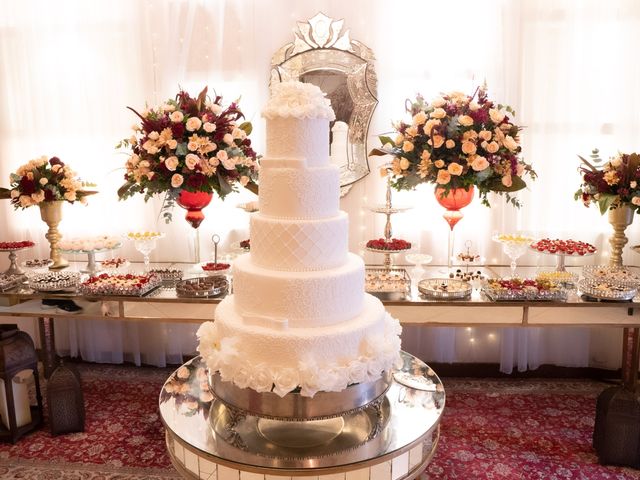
458,143
189,148
615,186
47,183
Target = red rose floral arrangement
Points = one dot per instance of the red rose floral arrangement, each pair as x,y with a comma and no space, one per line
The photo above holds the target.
613,184
456,141
45,180
192,144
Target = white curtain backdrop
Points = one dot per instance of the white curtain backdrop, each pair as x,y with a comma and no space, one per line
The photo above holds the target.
69,69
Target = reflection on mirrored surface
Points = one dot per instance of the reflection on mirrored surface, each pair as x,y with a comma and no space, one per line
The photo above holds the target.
323,53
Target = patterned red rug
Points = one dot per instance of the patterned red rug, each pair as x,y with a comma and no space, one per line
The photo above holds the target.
492,429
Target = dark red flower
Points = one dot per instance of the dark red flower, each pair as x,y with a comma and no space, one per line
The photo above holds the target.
27,186
55,161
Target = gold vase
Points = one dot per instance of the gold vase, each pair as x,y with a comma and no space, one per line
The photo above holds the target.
51,214
620,218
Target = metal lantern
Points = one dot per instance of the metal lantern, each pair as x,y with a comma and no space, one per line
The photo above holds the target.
65,401
18,362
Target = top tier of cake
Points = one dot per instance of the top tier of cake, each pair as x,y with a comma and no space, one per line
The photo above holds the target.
298,116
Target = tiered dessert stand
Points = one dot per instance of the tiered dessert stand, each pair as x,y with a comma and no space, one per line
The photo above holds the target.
388,210
384,429
560,256
91,267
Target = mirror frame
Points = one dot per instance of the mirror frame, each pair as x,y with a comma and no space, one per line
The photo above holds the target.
321,45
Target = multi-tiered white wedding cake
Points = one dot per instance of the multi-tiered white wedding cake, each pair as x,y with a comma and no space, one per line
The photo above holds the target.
299,316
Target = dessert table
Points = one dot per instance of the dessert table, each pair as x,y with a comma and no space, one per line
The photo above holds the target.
405,439
163,304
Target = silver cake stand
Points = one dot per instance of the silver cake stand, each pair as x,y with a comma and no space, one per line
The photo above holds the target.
385,430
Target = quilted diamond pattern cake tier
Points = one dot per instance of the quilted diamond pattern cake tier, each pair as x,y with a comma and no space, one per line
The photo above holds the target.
299,245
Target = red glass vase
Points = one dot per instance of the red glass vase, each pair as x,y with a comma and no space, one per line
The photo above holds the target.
453,201
193,203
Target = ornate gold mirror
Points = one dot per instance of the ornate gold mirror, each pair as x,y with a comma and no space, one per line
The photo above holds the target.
324,55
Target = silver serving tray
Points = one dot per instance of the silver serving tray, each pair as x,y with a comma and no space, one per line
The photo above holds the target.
606,274
588,287
391,295
428,288
220,287
294,406
559,295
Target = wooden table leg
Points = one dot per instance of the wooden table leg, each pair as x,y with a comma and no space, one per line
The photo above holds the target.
48,340
630,356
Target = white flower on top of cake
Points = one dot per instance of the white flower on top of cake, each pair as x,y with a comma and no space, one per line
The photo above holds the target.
299,100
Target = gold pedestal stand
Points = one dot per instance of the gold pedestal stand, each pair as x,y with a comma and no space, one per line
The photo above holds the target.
51,214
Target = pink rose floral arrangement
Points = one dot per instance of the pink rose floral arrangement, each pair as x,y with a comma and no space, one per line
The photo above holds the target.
456,141
194,144
612,184
45,180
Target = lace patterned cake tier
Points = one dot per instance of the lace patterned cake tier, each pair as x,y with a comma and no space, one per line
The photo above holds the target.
299,245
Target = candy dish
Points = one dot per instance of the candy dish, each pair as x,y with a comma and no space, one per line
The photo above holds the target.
100,243
115,263
124,285
387,284
562,277
216,268
37,263
395,245
444,288
516,289
15,246
7,282
145,243
562,249
614,275
167,274
202,287
605,291
54,281
514,246
12,248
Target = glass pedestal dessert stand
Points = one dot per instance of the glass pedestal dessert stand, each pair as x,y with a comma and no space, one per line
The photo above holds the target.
14,269
388,209
560,258
514,246
145,245
393,436
92,265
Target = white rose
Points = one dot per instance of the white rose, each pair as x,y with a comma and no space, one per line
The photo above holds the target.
285,381
209,127
357,371
496,115
375,367
474,106
340,379
238,133
176,117
176,180
228,139
243,376
216,109
262,380
168,107
191,161
510,143
193,124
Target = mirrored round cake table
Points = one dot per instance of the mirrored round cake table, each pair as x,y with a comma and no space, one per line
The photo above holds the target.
393,441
